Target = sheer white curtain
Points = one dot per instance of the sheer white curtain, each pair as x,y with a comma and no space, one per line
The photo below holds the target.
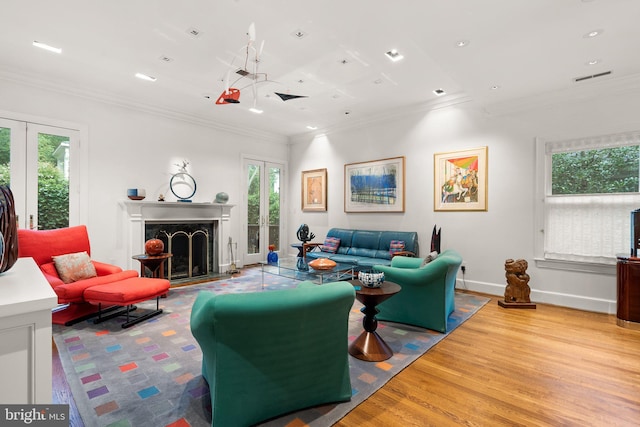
593,227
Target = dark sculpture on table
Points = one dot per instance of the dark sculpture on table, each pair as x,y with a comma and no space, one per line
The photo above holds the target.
516,294
303,234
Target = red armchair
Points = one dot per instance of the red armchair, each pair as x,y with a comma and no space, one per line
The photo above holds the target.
42,245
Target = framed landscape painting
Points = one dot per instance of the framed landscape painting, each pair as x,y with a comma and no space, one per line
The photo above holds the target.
460,180
374,186
314,190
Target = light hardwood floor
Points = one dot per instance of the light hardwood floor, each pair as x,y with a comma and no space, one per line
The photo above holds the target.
551,366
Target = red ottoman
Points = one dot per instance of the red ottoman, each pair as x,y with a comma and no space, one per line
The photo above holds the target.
125,293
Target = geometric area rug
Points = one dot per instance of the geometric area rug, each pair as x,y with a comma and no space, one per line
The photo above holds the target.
150,374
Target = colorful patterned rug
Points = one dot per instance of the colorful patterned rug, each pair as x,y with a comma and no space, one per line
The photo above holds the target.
149,374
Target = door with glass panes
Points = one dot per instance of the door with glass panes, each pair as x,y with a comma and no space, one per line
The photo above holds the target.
36,163
263,204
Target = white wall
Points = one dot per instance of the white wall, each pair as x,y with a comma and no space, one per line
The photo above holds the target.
128,148
484,239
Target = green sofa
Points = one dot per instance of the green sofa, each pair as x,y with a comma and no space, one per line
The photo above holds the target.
428,290
269,353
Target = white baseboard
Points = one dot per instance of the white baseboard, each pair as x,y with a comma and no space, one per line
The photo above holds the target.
555,298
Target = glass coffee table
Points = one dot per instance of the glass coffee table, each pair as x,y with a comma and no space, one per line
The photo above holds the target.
288,267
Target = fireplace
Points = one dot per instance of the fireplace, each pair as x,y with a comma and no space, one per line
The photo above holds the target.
195,233
192,244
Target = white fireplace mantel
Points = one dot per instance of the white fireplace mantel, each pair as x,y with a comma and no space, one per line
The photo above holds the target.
140,211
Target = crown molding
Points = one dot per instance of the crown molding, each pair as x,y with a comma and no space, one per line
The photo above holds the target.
110,99
394,113
578,92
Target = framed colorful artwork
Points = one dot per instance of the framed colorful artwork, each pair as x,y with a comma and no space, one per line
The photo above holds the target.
460,180
314,190
374,186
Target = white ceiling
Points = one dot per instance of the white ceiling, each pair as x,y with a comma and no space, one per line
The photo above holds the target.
529,48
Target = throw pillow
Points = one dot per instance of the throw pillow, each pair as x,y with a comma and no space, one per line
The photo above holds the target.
433,255
330,245
74,267
396,246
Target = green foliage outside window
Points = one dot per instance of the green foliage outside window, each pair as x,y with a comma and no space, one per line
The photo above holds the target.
606,170
53,188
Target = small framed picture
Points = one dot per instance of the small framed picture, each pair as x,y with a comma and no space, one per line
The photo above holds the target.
460,180
314,190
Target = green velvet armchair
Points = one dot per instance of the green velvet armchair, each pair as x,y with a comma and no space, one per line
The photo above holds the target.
269,353
428,291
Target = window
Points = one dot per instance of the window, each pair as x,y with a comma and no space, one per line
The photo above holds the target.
41,164
587,189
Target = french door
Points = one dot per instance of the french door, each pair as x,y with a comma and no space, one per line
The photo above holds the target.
263,206
36,161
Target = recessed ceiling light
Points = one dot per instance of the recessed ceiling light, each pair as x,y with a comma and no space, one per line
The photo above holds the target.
46,47
146,77
462,43
592,34
299,34
312,127
165,58
377,81
594,62
495,87
439,92
255,110
394,55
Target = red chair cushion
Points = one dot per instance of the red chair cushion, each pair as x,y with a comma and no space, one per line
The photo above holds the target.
127,292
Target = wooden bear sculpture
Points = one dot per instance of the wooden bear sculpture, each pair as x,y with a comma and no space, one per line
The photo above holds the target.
517,292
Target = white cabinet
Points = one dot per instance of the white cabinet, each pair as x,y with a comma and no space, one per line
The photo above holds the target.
26,300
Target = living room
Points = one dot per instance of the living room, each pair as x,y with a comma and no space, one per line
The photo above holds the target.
127,143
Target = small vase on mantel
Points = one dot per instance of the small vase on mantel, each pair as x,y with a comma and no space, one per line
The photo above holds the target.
272,257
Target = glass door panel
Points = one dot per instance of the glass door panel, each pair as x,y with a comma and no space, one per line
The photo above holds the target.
53,181
254,209
263,208
274,207
35,160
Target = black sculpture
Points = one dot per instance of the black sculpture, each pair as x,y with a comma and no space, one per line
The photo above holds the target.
435,240
303,234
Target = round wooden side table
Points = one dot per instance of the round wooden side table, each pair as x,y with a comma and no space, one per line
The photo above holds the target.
369,345
154,263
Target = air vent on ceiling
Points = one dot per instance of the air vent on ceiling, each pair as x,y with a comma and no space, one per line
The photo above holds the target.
579,79
194,32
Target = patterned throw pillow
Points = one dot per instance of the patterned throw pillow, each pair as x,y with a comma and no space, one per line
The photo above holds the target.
330,245
396,246
74,267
